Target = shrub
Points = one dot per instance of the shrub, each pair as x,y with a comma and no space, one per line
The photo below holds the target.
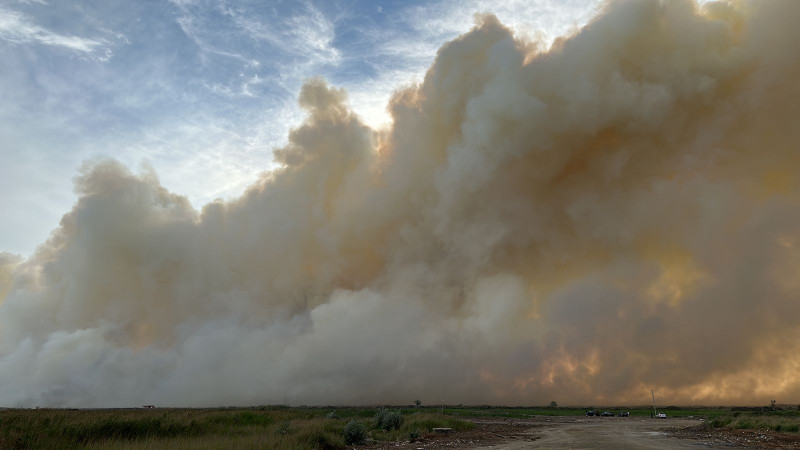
388,420
413,435
354,433
379,417
332,415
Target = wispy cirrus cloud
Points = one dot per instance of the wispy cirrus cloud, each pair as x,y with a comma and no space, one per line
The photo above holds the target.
194,31
15,27
307,33
271,47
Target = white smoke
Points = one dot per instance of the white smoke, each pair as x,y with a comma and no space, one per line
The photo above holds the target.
618,213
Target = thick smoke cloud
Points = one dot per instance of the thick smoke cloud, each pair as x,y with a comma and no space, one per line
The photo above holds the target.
616,213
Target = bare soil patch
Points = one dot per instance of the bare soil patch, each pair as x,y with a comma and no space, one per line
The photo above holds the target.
738,438
487,433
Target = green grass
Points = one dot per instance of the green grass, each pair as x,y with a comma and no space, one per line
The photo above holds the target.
282,427
423,423
782,421
268,427
525,412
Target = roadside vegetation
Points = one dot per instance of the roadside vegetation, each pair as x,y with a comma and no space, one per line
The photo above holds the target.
267,427
308,427
636,411
780,421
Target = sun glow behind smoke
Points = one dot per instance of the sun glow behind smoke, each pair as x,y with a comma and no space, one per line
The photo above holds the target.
583,223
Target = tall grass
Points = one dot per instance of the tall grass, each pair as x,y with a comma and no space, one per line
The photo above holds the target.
278,428
787,422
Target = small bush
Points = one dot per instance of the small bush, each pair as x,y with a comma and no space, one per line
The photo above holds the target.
395,419
379,417
413,435
354,433
332,415
388,420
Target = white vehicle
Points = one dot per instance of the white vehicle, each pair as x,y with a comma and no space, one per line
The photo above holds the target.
661,416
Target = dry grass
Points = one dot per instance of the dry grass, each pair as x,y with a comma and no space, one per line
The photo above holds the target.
269,427
777,421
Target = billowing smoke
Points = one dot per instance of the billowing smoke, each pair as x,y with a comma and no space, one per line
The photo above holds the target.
618,212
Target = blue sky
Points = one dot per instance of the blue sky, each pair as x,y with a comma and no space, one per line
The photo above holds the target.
201,90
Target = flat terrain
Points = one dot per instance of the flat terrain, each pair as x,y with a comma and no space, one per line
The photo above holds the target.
578,432
605,432
568,432
280,427
631,433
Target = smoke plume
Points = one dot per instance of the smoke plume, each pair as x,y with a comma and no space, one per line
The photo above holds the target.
581,223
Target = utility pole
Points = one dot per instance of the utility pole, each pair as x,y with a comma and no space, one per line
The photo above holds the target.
652,392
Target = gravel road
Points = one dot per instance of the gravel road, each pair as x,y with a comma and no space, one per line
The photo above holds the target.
602,432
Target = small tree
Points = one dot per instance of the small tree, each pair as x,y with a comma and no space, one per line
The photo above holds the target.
418,403
772,404
553,404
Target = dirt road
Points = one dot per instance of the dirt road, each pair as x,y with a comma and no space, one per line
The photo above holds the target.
605,432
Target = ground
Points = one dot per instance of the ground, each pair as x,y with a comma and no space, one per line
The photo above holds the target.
598,433
473,427
739,438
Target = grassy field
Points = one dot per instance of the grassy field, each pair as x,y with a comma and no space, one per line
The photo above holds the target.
783,421
296,428
637,411
267,427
